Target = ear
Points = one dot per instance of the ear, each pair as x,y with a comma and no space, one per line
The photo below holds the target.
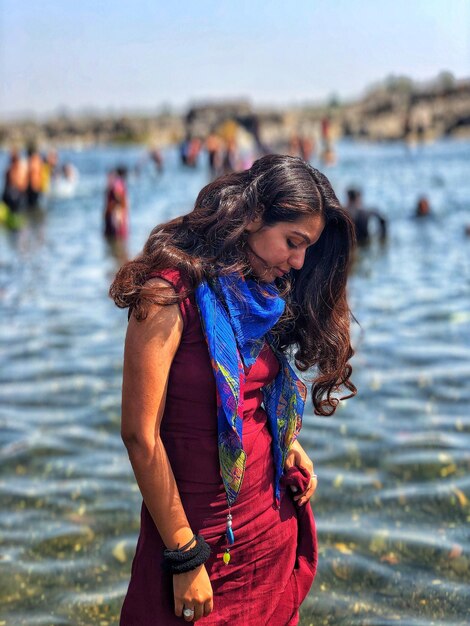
254,225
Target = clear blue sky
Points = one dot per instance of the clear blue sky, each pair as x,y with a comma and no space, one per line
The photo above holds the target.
142,53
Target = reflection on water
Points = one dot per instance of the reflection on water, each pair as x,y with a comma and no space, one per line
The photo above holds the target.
393,503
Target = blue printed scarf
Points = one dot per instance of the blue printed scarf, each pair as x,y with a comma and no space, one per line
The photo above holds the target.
236,317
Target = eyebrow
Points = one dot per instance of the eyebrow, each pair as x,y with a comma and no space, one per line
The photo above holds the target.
303,235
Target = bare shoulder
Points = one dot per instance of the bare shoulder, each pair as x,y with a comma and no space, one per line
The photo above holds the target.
163,322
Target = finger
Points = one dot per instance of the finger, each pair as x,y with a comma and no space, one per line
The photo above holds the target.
208,607
198,611
190,616
305,497
305,494
302,498
178,608
312,486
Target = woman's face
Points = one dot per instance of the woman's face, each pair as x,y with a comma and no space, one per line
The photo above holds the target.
274,250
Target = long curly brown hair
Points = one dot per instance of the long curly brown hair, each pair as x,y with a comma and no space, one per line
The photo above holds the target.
211,240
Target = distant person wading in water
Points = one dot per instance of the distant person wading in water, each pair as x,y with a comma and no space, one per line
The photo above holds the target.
219,301
116,211
423,208
16,182
35,178
363,217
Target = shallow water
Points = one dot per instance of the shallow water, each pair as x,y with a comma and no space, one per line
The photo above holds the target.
393,503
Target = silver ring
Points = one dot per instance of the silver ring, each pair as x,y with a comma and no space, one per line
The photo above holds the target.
188,612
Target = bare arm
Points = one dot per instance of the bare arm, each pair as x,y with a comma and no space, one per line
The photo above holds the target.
149,351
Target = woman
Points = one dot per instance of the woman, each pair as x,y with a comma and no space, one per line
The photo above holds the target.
211,408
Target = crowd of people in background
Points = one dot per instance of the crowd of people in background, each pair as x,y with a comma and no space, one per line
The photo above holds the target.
25,180
224,154
31,175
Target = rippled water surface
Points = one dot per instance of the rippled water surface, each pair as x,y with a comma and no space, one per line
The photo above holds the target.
393,503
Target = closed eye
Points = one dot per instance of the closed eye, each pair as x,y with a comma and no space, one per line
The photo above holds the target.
291,244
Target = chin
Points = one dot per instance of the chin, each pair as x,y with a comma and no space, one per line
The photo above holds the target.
267,278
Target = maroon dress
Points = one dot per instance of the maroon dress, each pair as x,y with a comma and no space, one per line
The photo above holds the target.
273,560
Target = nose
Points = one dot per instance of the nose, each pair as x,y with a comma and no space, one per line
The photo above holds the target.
296,259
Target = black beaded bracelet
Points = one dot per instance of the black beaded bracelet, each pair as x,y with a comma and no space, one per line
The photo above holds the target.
179,561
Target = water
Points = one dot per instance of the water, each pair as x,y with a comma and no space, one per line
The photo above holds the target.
393,503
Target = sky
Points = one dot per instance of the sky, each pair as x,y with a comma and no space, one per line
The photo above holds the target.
142,55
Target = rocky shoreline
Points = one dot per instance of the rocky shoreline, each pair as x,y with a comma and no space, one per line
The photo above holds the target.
395,110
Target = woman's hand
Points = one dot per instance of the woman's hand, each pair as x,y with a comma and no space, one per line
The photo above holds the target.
193,590
297,456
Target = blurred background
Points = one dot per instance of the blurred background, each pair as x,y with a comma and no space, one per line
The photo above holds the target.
112,117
